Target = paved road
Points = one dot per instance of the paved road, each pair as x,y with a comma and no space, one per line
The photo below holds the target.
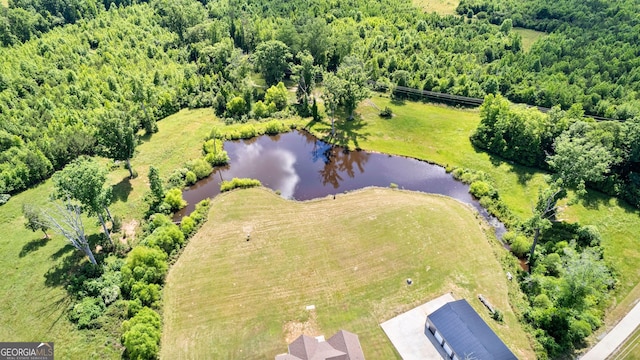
615,337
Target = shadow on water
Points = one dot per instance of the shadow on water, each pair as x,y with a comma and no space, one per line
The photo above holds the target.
32,246
301,167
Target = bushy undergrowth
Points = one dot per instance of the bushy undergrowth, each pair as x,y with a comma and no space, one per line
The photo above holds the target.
236,183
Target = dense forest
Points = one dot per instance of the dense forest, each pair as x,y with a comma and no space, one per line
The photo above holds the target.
71,71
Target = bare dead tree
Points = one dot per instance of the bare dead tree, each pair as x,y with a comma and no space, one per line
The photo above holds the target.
66,220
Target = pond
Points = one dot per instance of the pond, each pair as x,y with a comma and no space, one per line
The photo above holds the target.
299,166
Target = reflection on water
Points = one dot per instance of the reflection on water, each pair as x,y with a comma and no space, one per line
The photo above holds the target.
302,167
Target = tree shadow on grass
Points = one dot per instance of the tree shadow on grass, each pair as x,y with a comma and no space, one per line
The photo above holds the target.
62,272
523,173
32,246
595,200
349,132
122,190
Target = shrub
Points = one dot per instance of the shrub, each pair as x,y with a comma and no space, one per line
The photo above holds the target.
191,178
177,178
144,264
239,183
147,294
156,221
497,316
520,245
86,311
480,188
168,238
116,226
386,112
589,235
260,110
173,199
236,107
200,167
218,158
188,226
274,127
4,198
141,335
276,95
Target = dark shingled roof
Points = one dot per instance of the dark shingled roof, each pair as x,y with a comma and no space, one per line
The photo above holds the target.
467,334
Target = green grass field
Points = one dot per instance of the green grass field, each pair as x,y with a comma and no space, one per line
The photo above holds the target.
235,299
442,7
529,37
440,134
33,302
630,350
4,2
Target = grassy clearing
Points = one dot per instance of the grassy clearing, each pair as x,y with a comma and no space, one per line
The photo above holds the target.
441,134
33,301
529,37
630,350
178,140
442,7
236,299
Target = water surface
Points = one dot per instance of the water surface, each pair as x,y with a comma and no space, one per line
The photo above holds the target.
301,167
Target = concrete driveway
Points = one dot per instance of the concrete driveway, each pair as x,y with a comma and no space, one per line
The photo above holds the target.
407,332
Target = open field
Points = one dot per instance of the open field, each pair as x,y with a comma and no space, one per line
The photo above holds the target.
33,301
178,140
630,350
237,299
441,134
442,7
529,37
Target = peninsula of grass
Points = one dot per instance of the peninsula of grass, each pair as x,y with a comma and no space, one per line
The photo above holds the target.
240,288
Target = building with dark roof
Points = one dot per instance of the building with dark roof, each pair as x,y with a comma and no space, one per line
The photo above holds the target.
463,334
343,345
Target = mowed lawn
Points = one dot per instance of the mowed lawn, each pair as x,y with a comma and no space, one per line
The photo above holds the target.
440,134
229,298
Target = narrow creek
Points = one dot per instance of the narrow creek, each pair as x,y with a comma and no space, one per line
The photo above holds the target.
299,166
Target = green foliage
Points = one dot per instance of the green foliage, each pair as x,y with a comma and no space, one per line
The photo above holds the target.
156,221
386,112
173,199
277,95
236,107
481,189
33,219
239,183
191,178
520,246
168,238
271,58
147,294
200,167
157,189
144,264
141,335
260,110
86,312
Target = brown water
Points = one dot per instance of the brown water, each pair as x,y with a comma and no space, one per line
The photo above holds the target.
301,167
